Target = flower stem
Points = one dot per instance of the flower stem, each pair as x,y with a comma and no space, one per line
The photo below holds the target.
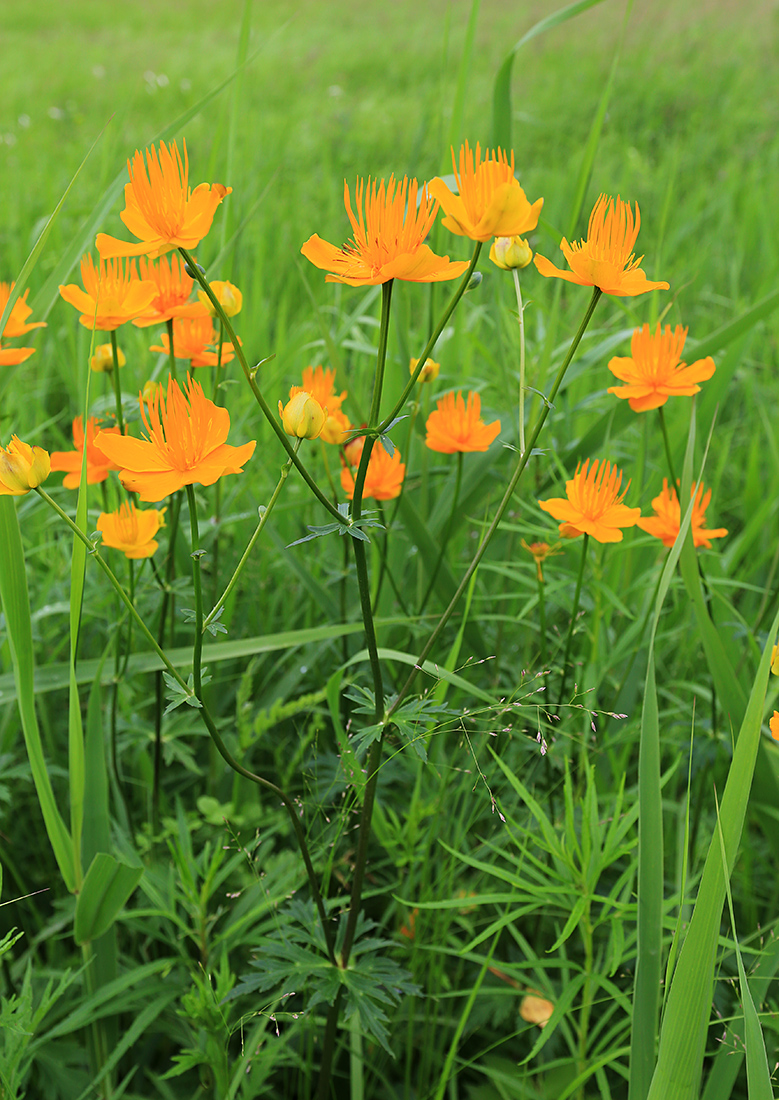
574,613
250,545
95,553
521,317
272,419
461,289
171,350
447,533
197,679
490,532
115,380
667,444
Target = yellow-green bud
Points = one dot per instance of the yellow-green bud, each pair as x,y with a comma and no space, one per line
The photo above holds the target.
429,372
103,359
303,416
22,467
228,296
510,252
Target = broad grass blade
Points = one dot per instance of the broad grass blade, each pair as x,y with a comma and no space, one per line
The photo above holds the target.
107,886
758,1073
16,606
501,92
683,1034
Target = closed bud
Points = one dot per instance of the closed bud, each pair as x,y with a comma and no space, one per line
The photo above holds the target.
429,372
510,252
303,416
22,467
103,359
150,391
228,296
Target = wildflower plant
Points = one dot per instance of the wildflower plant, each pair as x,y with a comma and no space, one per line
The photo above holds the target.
399,526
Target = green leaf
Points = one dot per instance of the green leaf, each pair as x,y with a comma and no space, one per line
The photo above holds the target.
106,888
16,605
501,93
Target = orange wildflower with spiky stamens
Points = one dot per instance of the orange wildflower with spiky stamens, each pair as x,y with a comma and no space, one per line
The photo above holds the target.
184,444
605,259
389,232
593,504
112,295
383,478
192,337
174,288
131,529
160,208
69,462
22,467
456,426
490,202
654,373
664,524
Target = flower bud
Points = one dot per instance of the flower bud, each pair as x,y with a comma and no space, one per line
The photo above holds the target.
150,391
336,427
353,450
103,359
429,372
228,296
510,252
303,416
775,660
22,467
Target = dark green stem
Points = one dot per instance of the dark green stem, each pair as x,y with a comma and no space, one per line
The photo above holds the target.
447,533
574,613
115,380
490,532
461,289
171,350
197,653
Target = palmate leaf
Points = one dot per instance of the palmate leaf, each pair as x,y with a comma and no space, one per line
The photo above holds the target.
297,962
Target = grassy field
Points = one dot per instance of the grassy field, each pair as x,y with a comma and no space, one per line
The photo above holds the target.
494,872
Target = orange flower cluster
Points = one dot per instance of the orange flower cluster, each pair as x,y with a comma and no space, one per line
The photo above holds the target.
16,325
131,530
383,478
194,338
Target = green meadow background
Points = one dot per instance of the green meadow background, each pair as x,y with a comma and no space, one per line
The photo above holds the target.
301,97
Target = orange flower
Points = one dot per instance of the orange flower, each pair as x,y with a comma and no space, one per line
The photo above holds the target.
22,467
773,725
174,287
593,505
184,444
69,462
664,524
387,241
320,384
605,259
191,339
490,202
457,427
383,477
17,325
131,529
160,208
111,294
654,372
